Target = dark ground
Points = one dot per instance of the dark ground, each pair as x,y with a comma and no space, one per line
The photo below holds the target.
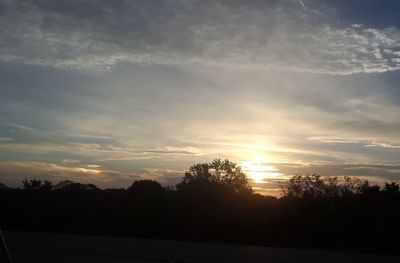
348,216
43,247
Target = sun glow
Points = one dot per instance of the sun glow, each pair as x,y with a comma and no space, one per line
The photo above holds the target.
258,170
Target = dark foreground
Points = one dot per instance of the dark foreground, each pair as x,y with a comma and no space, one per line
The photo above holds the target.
344,214
40,247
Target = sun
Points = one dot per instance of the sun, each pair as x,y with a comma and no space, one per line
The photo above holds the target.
258,169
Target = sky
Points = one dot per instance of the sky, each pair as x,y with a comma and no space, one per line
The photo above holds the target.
109,92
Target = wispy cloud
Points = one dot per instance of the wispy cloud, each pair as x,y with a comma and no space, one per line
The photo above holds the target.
14,170
363,142
6,139
90,36
384,145
333,140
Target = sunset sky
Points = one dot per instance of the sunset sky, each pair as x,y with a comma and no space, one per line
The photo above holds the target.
109,92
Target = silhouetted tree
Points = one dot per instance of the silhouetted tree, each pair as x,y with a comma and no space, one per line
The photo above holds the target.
69,185
3,186
34,184
392,188
146,187
315,186
47,186
365,188
308,186
215,177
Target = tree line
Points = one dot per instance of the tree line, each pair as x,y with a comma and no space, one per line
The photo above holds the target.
215,202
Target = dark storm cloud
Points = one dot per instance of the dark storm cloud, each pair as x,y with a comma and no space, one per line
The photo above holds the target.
94,36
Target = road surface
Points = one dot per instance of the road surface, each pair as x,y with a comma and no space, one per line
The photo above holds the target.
43,247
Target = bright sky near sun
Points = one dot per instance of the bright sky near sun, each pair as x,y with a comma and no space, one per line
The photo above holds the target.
108,92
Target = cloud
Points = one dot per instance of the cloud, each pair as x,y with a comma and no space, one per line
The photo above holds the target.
95,36
384,145
68,161
363,142
14,127
191,115
176,150
14,170
332,140
69,148
167,177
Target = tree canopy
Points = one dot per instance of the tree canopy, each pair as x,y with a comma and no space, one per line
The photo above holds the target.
146,188
216,176
34,184
315,186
